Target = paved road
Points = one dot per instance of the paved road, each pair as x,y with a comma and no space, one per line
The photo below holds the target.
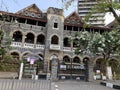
78,85
8,84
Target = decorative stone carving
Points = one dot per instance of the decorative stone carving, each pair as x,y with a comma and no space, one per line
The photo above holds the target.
73,19
34,15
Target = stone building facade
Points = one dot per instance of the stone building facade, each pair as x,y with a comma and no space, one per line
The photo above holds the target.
47,35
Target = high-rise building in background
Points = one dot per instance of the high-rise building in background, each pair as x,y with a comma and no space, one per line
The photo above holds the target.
84,8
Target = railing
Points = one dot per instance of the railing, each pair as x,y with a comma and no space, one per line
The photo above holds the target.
38,46
67,49
25,26
28,45
54,47
28,26
16,44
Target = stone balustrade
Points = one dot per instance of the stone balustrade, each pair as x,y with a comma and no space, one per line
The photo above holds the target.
16,44
27,45
38,46
68,49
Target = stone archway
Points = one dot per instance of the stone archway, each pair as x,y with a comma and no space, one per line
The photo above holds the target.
41,39
115,67
29,38
55,39
15,55
17,36
99,68
31,64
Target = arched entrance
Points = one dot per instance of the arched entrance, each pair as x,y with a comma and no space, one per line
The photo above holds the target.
15,55
115,68
32,64
99,68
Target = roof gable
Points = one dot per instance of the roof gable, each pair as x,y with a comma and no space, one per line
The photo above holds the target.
73,18
32,11
32,8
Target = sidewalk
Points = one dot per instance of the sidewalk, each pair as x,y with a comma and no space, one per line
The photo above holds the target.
8,75
78,85
111,83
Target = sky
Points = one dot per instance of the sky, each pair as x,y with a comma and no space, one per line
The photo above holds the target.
16,5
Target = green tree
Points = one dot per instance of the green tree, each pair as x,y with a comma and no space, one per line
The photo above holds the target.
106,44
5,39
5,43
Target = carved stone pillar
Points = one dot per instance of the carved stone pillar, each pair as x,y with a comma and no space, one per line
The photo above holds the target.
90,71
54,70
35,41
47,68
23,39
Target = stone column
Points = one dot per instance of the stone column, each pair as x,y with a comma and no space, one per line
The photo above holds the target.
54,70
35,41
47,69
23,39
90,71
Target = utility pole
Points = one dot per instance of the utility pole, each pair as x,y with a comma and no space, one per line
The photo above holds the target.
71,67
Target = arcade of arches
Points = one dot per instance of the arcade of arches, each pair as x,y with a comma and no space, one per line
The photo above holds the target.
100,66
31,38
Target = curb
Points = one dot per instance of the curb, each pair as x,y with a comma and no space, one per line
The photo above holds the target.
110,85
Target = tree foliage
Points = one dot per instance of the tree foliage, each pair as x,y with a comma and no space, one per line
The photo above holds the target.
4,44
106,44
5,39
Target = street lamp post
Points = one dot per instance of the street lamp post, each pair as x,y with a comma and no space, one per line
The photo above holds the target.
21,70
71,67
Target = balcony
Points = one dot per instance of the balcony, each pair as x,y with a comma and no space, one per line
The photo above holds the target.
28,26
28,45
54,47
38,46
67,49
16,44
